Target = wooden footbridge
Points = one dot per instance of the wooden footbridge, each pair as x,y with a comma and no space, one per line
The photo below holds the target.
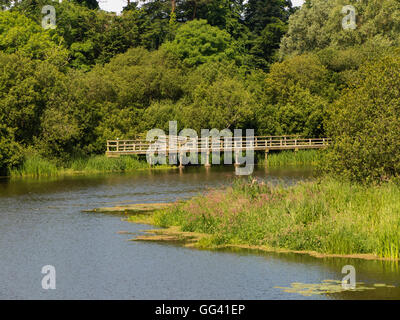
183,145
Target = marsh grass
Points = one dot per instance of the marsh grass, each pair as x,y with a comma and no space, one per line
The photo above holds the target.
101,163
37,166
326,216
292,158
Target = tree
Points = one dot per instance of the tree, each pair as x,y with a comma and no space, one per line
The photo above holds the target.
27,86
264,47
196,42
260,13
10,151
318,25
294,97
364,124
91,4
155,22
267,22
223,104
19,34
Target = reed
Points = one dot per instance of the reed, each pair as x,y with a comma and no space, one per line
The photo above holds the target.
327,216
293,158
37,166
102,164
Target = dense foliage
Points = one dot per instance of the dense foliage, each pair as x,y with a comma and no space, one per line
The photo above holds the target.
207,64
319,25
365,123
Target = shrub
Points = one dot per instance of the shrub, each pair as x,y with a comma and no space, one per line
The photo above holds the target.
365,124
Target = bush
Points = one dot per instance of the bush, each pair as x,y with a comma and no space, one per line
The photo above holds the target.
10,151
365,124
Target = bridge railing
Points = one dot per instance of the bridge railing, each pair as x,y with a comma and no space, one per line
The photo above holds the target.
176,144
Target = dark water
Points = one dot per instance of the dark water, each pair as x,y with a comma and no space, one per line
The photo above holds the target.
42,223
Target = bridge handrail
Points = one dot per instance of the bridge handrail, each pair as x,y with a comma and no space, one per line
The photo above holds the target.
219,143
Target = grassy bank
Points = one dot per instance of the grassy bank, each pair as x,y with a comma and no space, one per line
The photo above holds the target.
292,158
36,166
329,217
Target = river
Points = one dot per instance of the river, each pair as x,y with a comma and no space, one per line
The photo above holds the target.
42,222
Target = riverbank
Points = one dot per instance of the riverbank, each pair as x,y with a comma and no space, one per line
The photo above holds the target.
322,218
36,166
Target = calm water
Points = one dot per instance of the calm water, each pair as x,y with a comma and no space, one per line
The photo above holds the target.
42,223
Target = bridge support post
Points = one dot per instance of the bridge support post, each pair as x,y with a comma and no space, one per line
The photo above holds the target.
266,156
180,160
207,163
237,164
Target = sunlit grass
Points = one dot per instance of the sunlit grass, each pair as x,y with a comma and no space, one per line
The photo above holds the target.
326,216
292,158
103,164
37,166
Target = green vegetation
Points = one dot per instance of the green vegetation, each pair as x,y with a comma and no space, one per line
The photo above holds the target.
326,216
104,164
37,166
221,64
292,158
318,25
365,125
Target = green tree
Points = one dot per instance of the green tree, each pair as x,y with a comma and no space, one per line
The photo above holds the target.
294,97
260,13
10,151
19,34
215,96
267,22
154,20
364,124
91,4
197,42
264,47
27,86
318,25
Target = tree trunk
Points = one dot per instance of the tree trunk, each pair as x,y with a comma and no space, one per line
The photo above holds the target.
194,10
173,4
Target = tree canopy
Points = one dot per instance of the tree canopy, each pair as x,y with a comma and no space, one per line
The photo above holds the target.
207,64
318,25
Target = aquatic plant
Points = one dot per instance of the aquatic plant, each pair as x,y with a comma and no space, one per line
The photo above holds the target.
325,216
37,166
328,287
292,158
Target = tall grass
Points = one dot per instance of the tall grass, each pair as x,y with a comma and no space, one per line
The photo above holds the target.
293,158
37,166
327,216
103,164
